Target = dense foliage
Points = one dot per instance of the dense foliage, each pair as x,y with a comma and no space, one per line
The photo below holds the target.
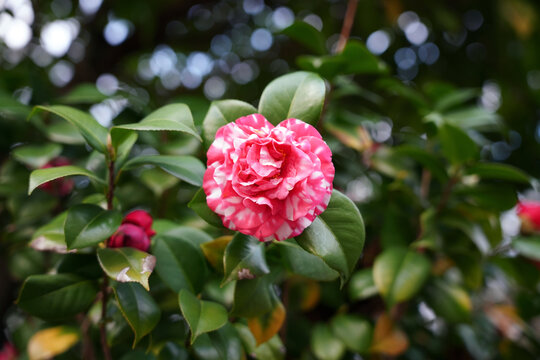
109,247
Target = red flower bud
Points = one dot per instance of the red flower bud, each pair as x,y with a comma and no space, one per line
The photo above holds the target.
129,235
140,218
529,212
58,187
8,352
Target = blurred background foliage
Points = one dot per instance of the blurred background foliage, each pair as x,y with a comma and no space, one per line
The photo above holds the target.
472,60
152,53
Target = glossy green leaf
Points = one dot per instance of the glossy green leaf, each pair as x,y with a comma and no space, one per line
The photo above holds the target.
246,291
399,273
202,316
94,134
297,95
498,172
355,332
326,345
222,344
35,156
336,236
528,246
190,234
455,98
304,263
180,262
138,308
50,237
457,146
84,265
244,259
87,225
62,132
158,180
474,117
53,297
200,206
497,197
306,35
222,112
41,176
361,285
188,168
127,264
214,251
172,117
449,301
122,141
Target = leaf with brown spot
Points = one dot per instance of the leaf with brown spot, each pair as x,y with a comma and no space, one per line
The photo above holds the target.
387,338
264,327
215,250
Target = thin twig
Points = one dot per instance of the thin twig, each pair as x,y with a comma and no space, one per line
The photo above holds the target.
446,193
105,284
347,26
424,185
103,324
87,348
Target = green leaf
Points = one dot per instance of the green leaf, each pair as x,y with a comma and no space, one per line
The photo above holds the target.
188,168
304,263
455,98
222,112
51,236
122,141
354,331
85,93
35,156
222,344
201,316
172,117
158,180
85,265
424,158
244,259
355,59
54,297
41,176
326,345
361,285
306,35
496,197
449,301
399,273
270,350
457,146
498,172
245,293
200,206
94,134
214,251
138,308
297,95
87,225
528,246
474,118
336,236
127,264
180,262
62,132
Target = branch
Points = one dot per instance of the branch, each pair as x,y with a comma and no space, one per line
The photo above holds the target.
347,25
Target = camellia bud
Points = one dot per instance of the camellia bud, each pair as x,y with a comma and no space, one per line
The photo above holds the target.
140,218
8,352
58,187
129,235
529,213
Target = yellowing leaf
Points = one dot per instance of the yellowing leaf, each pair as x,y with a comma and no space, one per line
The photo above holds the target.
214,251
50,342
506,319
387,338
266,326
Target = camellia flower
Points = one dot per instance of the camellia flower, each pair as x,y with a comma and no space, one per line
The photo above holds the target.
135,231
529,212
58,187
8,352
265,181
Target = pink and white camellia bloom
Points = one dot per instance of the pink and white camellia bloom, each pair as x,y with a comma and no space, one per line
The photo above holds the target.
265,181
